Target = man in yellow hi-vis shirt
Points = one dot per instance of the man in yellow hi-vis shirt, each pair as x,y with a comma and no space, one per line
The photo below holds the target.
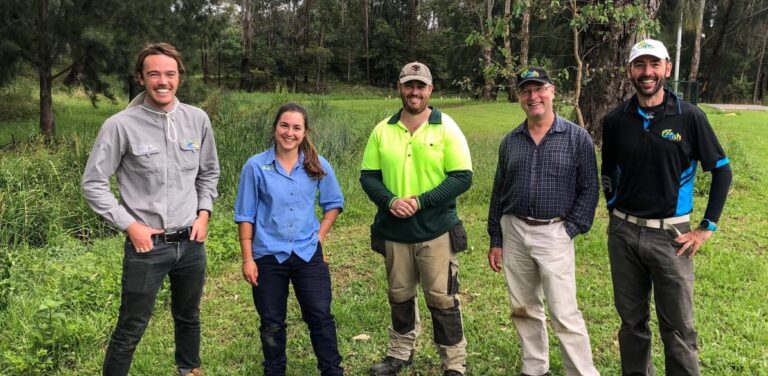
415,165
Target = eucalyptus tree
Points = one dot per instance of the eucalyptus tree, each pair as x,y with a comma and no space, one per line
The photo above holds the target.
609,30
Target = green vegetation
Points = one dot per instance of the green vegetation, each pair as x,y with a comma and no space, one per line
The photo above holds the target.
60,267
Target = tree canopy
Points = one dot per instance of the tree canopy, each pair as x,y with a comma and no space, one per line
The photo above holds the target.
472,46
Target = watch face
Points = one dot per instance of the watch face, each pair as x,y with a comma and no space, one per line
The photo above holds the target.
704,224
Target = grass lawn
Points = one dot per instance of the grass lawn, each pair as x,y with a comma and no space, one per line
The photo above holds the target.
64,297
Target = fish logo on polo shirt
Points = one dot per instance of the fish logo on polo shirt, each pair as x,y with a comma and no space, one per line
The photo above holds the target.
671,135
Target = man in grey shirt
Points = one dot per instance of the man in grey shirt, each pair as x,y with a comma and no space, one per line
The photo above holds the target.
163,154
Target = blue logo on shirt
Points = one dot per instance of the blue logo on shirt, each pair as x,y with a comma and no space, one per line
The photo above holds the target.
671,135
188,144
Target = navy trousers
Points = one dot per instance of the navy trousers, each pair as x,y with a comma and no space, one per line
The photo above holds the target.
312,286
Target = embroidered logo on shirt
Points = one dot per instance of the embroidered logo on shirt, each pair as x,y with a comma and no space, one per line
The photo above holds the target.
671,135
188,144
144,149
267,167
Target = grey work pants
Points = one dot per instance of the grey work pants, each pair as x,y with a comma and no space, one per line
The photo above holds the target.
644,259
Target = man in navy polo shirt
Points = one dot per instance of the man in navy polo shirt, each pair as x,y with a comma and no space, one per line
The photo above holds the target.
652,146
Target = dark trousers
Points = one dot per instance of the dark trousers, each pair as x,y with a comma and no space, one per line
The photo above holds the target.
143,274
643,260
312,285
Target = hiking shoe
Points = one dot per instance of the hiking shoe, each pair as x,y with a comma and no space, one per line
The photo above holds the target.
390,366
452,372
195,372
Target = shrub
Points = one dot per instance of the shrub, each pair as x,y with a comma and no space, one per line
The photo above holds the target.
40,197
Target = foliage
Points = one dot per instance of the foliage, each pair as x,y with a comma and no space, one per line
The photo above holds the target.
40,199
739,90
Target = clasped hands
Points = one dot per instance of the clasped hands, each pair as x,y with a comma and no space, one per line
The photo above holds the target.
404,207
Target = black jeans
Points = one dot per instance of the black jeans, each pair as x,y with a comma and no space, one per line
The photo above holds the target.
312,285
143,274
643,260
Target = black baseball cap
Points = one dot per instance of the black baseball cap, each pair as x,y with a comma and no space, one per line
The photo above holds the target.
533,74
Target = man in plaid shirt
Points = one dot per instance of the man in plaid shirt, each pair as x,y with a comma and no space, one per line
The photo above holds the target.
544,194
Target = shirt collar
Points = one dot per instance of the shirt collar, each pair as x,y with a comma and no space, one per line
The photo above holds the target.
270,156
557,126
436,117
671,104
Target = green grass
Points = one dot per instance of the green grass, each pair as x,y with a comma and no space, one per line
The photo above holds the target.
59,302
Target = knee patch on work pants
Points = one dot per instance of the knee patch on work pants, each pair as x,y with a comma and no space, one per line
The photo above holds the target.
404,316
447,325
442,294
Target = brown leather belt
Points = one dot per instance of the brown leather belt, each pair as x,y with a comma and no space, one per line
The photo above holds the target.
538,222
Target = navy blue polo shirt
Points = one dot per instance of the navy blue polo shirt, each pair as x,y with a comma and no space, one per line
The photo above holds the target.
650,160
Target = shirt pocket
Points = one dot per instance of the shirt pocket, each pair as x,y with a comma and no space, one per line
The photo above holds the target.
189,155
145,159
429,150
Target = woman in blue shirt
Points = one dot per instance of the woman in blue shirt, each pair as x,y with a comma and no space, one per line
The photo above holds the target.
280,238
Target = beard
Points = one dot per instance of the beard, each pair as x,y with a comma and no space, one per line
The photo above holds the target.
660,81
411,109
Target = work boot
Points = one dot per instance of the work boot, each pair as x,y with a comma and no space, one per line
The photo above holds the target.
390,366
452,372
194,372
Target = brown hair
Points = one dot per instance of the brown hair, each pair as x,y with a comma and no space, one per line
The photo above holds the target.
157,49
311,159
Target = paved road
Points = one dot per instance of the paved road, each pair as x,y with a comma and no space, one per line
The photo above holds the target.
736,107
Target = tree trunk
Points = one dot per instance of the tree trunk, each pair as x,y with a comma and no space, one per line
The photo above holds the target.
697,42
758,77
246,42
366,31
44,69
712,77
204,60
525,35
487,50
347,43
75,75
413,7
509,60
579,68
606,50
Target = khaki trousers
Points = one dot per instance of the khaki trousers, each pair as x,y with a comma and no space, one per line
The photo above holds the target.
539,262
433,265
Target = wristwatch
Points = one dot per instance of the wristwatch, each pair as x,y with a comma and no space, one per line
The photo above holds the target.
706,224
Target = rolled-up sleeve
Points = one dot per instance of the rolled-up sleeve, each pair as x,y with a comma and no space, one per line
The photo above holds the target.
331,196
247,201
102,163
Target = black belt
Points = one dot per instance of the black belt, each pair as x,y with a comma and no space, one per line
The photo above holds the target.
172,237
538,222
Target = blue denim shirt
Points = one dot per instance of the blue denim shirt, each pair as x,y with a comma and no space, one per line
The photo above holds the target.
282,206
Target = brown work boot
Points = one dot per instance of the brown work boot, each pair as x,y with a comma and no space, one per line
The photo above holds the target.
195,372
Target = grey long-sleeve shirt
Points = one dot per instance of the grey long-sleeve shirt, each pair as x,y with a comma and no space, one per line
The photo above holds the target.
165,164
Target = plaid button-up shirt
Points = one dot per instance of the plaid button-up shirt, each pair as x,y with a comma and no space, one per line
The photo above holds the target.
555,179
